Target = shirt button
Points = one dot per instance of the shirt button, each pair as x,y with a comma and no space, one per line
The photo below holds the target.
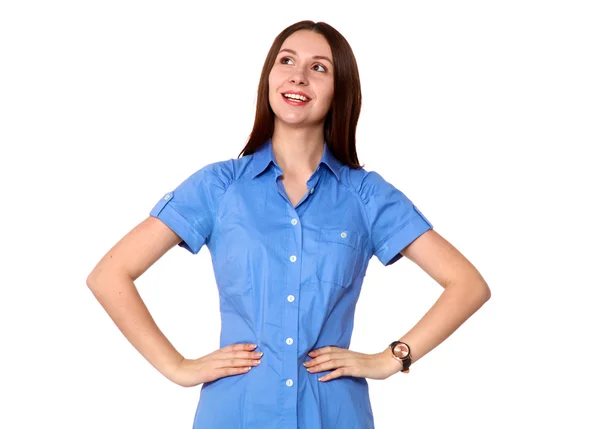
291,298
289,341
289,383
312,190
167,197
293,258
343,235
294,221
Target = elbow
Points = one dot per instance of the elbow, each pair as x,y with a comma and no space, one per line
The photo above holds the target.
103,272
97,276
92,280
477,290
104,275
486,292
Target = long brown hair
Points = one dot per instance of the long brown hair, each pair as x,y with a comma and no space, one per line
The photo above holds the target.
341,120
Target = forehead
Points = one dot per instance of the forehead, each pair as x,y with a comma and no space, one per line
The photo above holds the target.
306,42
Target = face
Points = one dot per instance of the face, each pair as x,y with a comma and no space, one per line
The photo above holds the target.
303,66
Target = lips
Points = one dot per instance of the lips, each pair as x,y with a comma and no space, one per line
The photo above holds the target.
296,93
295,102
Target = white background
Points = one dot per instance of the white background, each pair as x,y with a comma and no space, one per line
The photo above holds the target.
486,114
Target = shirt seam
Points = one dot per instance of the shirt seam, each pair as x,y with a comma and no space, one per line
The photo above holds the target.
218,208
363,207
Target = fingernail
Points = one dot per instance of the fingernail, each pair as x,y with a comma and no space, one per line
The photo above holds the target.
253,346
304,363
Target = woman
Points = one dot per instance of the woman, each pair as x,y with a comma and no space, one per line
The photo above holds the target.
291,226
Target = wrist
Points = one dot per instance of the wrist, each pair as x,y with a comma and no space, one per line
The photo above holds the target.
171,368
395,365
401,352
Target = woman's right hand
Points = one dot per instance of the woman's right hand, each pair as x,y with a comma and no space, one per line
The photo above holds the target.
233,359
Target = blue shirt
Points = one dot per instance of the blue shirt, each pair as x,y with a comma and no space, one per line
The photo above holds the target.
288,279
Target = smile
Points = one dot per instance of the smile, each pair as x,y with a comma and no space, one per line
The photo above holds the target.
295,99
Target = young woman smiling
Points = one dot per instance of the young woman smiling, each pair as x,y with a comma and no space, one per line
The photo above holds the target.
291,225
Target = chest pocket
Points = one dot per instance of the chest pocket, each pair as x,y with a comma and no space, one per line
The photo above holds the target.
340,255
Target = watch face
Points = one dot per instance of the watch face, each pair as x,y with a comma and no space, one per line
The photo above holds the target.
401,350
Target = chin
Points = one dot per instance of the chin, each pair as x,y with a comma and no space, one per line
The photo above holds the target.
296,120
291,122
289,118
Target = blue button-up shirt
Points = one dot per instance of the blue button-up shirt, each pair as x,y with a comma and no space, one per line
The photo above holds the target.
289,278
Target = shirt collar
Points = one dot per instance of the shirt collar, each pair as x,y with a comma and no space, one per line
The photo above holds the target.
263,157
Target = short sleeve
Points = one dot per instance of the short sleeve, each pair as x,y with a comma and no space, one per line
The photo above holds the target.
395,221
190,209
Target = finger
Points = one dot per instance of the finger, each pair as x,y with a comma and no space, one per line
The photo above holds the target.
225,372
246,355
340,372
341,354
236,363
316,361
323,350
240,355
330,364
238,347
225,355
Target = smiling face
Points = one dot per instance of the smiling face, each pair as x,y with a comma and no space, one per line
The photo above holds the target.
303,67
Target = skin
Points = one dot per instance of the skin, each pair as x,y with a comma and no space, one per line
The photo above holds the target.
296,69
297,145
298,130
465,291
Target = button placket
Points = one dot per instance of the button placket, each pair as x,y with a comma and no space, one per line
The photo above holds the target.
290,327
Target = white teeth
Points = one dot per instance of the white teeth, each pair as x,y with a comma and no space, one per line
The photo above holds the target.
295,97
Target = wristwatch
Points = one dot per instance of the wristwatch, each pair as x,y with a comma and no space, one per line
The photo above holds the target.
401,352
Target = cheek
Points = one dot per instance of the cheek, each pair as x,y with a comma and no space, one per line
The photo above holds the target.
330,98
327,97
271,92
273,86
272,99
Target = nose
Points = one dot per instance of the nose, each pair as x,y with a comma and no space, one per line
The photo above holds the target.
297,77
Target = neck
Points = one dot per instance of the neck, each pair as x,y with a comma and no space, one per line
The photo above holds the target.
297,150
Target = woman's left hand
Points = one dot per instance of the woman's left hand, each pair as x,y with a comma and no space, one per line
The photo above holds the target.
344,362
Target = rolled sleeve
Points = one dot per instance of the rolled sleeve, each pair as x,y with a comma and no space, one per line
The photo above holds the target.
395,221
388,251
192,240
190,209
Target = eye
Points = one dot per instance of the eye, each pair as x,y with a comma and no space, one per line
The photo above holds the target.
323,67
283,59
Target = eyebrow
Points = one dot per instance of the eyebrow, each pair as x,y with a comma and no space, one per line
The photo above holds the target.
316,57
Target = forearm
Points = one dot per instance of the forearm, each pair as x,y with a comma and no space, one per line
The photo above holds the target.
455,305
120,298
